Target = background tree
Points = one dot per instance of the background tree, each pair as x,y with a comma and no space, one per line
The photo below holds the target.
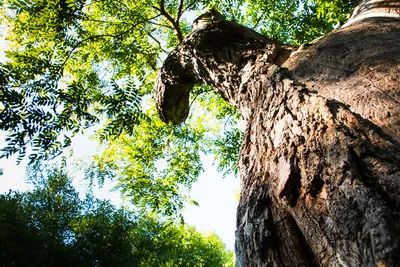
50,225
319,163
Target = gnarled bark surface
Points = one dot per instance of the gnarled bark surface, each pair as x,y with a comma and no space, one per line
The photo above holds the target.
320,160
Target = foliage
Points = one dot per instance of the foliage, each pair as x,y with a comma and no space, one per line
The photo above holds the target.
224,143
287,21
72,64
152,164
224,148
52,226
156,164
183,246
60,70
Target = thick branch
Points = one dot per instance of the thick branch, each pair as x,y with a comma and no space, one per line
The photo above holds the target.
174,23
374,9
228,45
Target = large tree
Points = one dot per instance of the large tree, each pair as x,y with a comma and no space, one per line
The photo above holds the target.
320,159
70,65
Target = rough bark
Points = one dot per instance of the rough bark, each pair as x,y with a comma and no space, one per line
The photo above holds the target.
320,159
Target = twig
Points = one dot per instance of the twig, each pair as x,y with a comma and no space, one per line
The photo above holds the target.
189,6
161,25
202,92
258,21
158,42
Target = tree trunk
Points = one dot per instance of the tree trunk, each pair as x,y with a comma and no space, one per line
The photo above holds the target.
320,159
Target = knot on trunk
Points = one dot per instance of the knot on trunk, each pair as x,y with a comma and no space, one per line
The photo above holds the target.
215,55
172,90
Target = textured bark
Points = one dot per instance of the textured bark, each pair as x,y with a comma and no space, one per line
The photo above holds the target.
320,159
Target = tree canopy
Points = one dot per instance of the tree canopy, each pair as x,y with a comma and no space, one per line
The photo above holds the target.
51,225
71,65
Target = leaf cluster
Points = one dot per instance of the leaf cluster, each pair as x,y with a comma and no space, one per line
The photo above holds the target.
154,165
296,22
61,62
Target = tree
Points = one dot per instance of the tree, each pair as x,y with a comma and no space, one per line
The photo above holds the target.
52,226
35,224
74,64
319,163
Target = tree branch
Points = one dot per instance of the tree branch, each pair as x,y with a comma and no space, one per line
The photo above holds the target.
258,21
189,6
200,93
175,23
158,42
178,16
161,25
